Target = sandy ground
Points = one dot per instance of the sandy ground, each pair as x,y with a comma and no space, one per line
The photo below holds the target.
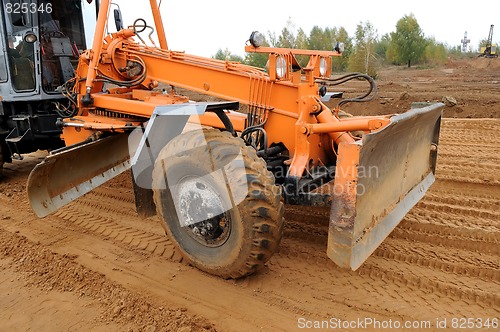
96,266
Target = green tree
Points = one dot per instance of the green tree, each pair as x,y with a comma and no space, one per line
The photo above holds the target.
381,47
435,53
408,42
301,40
319,39
273,40
455,51
363,58
226,55
287,38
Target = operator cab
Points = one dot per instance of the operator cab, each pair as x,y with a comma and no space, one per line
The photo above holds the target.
19,56
40,43
44,39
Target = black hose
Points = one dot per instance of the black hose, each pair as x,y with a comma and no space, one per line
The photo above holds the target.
272,151
348,77
225,121
259,141
137,81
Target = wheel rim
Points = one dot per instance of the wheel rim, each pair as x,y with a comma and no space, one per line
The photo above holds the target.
202,213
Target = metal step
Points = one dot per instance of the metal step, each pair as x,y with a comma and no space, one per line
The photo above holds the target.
14,139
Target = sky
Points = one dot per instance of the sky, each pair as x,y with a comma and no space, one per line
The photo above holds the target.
202,27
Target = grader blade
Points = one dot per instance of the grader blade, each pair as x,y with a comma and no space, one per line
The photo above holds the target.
74,171
378,180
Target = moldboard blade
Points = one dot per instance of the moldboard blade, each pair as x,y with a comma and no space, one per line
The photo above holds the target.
378,180
67,175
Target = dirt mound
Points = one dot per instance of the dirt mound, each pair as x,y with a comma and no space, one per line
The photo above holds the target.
485,63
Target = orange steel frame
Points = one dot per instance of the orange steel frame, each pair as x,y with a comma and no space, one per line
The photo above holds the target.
291,106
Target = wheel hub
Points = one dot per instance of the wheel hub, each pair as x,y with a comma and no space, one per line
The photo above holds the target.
202,213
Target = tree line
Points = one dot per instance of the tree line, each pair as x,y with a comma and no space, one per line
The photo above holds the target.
363,52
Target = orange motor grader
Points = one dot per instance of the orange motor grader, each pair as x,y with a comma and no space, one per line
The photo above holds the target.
220,187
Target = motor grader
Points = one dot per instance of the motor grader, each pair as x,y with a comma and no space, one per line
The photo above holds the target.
219,178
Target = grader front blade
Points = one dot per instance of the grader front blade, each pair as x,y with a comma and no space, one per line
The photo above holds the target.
74,171
378,180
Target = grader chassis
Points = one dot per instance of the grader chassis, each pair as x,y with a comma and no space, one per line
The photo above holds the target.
220,189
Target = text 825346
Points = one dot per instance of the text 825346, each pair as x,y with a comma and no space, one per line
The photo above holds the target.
25,8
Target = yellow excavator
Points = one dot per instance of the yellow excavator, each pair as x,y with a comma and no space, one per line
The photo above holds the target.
219,178
489,50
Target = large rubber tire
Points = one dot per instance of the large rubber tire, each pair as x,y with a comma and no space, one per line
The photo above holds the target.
250,231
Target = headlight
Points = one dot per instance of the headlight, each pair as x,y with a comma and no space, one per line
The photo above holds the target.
29,37
256,39
323,66
281,67
339,47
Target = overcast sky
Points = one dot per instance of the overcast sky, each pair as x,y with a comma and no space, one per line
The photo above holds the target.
202,27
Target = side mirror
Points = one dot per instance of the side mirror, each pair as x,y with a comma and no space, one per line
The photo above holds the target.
118,19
